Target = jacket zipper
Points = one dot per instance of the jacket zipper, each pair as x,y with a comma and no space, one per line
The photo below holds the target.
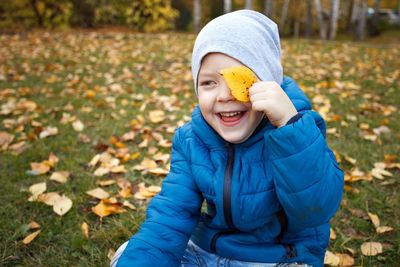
228,188
227,200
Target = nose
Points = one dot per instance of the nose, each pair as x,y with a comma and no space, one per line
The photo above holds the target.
224,93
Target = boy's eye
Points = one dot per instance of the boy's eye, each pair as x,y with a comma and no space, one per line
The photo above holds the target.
207,83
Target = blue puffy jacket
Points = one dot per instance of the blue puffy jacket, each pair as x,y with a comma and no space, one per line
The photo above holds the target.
268,199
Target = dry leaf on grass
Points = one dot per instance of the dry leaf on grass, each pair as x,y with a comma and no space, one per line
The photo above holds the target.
98,193
78,126
62,205
371,248
60,177
106,208
28,239
36,190
85,229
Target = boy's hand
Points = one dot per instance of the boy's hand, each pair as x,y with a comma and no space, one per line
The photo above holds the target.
270,98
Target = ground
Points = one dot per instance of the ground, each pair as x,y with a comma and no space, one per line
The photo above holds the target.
121,95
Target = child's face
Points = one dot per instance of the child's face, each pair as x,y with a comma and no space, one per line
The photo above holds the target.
233,120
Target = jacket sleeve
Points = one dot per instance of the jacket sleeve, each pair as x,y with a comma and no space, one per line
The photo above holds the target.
170,219
308,180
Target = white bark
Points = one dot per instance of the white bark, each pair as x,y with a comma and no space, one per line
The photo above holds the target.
308,28
269,8
248,4
333,18
284,15
322,28
196,15
361,20
227,6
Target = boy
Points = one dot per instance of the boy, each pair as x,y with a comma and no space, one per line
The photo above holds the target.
263,168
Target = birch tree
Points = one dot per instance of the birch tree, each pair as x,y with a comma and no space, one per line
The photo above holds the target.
196,15
269,8
227,6
321,24
308,31
284,15
333,19
361,20
248,4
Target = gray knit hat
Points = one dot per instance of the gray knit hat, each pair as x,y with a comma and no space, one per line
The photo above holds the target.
248,36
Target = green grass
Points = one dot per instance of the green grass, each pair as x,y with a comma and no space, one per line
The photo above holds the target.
121,68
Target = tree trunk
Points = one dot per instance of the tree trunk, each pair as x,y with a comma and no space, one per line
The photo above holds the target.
361,20
284,15
269,8
196,15
227,6
249,4
373,23
308,31
333,19
39,17
322,29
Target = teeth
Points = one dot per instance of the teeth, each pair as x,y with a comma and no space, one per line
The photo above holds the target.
230,114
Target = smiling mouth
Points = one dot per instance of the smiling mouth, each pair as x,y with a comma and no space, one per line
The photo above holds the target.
231,118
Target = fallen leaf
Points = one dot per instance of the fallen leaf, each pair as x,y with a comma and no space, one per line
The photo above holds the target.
49,198
105,182
383,229
129,205
78,126
105,208
38,168
62,205
157,116
48,131
375,219
98,193
85,229
36,190
331,259
5,140
60,177
33,225
332,234
371,248
345,260
28,239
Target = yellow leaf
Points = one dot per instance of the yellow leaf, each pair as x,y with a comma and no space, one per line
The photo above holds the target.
331,259
125,192
33,225
39,168
36,190
157,116
49,198
62,205
332,234
98,193
129,205
85,229
383,229
105,208
239,80
159,171
375,219
60,177
345,260
106,182
30,237
78,126
371,248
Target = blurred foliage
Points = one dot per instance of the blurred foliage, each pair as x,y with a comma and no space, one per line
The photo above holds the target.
141,15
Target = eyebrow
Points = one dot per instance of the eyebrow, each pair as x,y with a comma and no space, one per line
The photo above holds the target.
208,74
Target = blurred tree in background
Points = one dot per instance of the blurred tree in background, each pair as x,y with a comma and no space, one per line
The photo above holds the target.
323,18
